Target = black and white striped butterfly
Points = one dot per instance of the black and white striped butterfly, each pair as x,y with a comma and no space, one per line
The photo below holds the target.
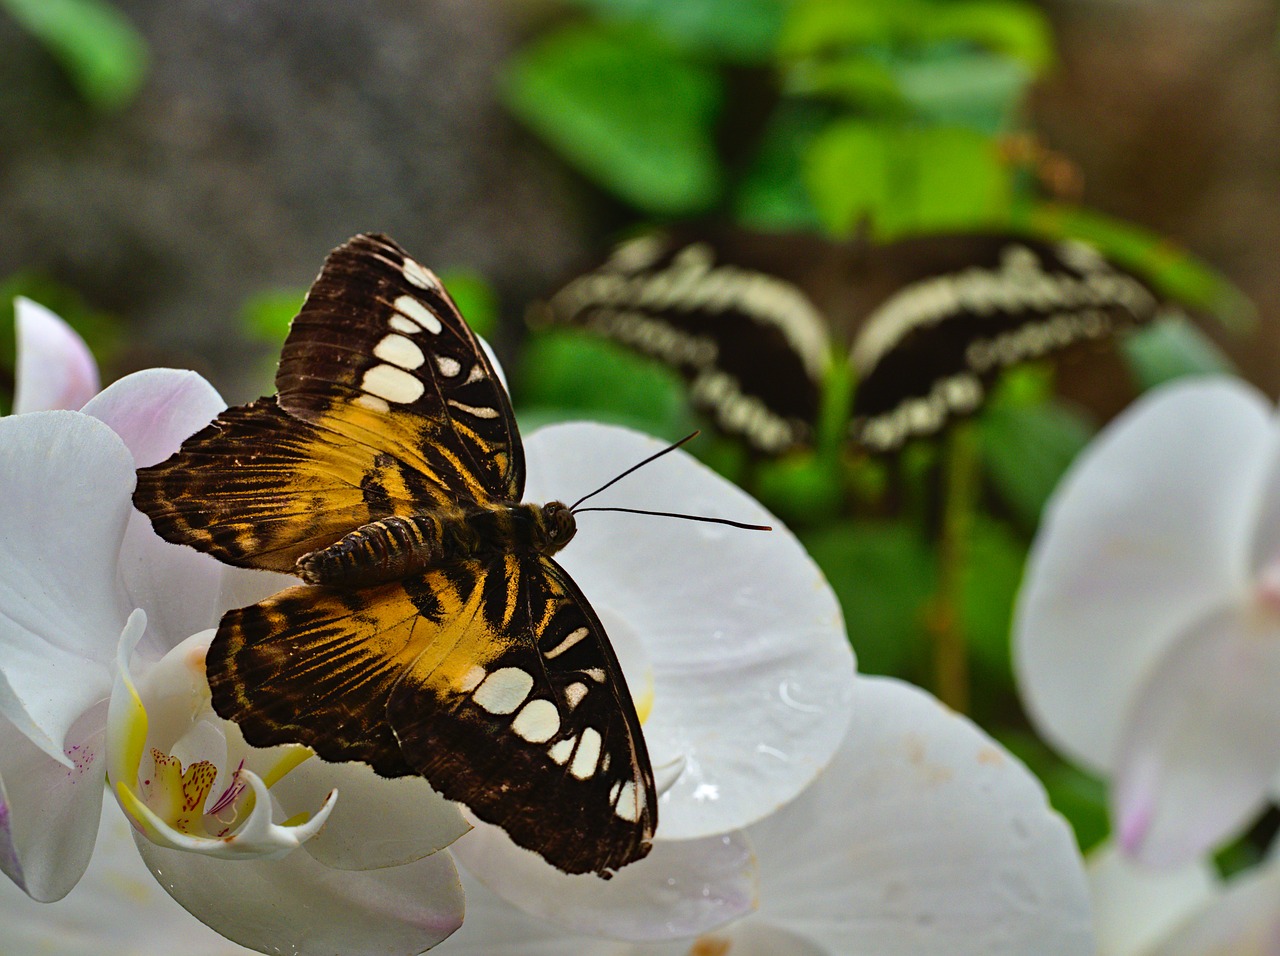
930,320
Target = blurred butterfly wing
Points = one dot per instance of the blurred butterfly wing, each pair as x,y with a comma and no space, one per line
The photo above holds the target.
494,681
751,346
967,307
387,405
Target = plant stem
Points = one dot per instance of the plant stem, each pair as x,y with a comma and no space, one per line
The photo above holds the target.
961,472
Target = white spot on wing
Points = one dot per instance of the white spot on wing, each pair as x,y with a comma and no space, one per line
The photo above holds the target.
537,721
574,693
420,275
559,752
571,639
393,384
401,324
480,412
411,308
400,351
630,802
373,403
471,679
584,761
504,690
449,367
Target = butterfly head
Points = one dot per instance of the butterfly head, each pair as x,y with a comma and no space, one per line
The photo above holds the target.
555,527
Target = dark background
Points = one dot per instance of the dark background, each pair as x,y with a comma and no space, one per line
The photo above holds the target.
269,131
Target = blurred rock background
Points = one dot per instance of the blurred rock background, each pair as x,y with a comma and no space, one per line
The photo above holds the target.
267,132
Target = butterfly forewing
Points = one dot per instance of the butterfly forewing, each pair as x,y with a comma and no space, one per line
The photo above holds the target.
388,406
378,332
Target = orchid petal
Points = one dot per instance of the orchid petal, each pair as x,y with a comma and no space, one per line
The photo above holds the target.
749,667
55,368
300,906
172,681
1243,921
923,837
1134,907
1150,527
48,810
116,908
153,411
681,889
1202,743
67,480
378,822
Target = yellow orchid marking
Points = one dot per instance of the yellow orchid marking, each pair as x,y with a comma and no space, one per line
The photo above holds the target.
171,803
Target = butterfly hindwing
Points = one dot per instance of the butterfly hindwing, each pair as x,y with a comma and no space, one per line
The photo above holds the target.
494,681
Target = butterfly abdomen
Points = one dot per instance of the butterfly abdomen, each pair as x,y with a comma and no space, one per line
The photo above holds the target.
386,550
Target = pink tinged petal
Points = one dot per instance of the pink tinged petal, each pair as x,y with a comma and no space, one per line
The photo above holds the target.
681,889
749,664
1150,528
299,906
376,822
153,411
1243,921
116,908
48,810
1134,907
67,481
924,836
1202,743
55,368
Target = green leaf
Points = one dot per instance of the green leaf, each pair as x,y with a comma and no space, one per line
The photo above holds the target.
1172,270
883,575
738,30
1170,348
962,88
989,584
1026,450
626,110
567,374
801,489
772,195
103,54
906,179
866,82
265,317
475,300
1016,30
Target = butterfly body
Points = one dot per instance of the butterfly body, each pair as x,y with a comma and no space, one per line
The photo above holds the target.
434,634
396,548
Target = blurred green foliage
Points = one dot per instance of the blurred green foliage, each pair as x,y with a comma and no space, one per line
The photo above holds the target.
102,53
877,119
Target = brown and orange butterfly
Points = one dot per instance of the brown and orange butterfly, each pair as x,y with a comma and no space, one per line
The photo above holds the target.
435,633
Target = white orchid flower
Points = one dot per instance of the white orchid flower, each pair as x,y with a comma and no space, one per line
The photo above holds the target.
1147,638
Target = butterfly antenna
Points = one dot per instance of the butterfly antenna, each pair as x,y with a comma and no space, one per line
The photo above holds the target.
673,514
614,481
661,514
